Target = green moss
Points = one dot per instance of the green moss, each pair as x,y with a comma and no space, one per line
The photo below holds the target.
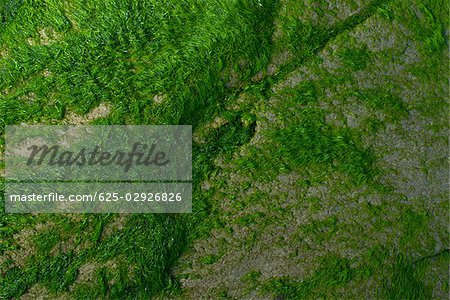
209,259
311,141
333,272
415,229
402,280
386,102
57,57
355,59
406,282
252,276
46,240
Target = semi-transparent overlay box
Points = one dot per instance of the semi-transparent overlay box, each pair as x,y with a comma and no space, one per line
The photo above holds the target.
122,161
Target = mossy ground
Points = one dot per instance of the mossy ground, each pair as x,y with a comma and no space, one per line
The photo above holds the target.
320,146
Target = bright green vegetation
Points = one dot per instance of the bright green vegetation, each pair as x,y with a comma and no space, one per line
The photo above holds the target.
334,272
74,56
101,52
320,141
